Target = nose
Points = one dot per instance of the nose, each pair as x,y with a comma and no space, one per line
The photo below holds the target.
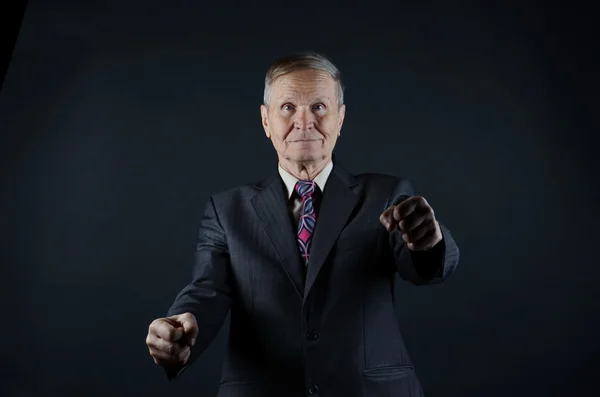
304,119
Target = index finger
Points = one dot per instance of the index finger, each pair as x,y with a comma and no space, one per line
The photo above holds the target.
407,207
387,218
167,331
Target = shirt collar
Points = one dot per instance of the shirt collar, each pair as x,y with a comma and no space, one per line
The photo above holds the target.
290,180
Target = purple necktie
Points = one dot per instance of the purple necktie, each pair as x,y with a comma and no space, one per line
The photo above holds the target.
308,217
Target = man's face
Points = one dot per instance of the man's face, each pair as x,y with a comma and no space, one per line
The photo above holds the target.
303,119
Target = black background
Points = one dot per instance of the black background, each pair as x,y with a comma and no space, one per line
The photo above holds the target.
119,120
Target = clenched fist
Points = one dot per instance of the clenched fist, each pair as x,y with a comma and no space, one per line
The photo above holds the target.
170,339
416,221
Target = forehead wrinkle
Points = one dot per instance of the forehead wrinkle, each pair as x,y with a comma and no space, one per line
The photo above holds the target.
303,85
312,97
294,86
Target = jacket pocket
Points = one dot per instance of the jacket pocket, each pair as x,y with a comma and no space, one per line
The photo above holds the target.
238,382
396,380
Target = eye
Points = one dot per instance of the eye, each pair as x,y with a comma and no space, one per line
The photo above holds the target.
287,107
319,106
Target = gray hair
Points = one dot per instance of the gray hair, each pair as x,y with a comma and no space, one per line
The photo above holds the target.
302,61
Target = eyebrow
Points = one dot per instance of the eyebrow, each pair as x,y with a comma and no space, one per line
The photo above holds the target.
318,100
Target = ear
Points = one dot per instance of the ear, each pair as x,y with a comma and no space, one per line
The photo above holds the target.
342,114
264,118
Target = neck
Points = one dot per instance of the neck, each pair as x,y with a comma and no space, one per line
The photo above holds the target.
304,170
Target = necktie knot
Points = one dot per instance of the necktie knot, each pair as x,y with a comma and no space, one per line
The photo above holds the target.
305,188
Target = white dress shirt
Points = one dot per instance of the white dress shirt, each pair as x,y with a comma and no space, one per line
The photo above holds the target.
295,201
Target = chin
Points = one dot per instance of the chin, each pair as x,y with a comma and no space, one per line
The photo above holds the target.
307,157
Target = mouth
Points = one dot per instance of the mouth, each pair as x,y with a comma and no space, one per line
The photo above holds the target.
305,140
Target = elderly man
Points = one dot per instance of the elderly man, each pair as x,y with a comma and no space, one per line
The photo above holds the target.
306,261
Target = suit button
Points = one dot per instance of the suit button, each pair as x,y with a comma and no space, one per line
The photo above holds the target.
313,389
312,336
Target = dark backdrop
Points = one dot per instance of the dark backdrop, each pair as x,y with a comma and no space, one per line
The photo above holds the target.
119,120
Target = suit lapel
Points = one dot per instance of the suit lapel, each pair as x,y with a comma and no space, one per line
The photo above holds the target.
271,209
338,202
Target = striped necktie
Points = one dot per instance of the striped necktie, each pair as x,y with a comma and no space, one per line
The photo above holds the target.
308,217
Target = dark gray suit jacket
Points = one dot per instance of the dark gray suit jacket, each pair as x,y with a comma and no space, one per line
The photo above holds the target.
330,330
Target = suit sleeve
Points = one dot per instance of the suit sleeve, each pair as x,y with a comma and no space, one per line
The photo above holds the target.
208,296
421,267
